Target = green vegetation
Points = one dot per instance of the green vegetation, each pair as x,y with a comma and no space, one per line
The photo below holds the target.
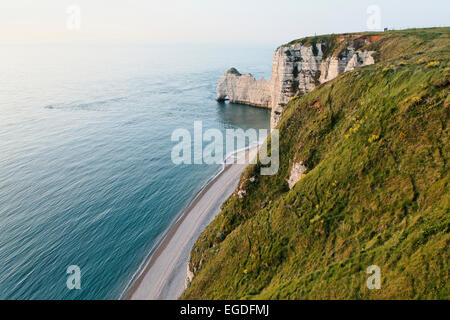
336,44
376,145
234,71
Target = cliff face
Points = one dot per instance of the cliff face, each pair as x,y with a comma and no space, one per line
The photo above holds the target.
363,180
243,88
297,69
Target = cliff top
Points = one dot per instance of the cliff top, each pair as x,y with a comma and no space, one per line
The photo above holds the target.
234,71
333,44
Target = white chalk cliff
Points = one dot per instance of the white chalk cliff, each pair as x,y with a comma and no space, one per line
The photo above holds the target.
296,70
243,88
297,172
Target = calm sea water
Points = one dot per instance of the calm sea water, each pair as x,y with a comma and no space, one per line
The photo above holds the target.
85,171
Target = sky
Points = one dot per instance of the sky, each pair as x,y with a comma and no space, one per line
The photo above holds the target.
207,21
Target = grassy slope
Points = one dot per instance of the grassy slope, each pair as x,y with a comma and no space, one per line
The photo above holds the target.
376,192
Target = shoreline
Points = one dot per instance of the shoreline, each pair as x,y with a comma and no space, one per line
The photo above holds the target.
168,263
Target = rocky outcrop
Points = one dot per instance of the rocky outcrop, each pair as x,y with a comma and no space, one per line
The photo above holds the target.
243,88
297,172
189,277
296,69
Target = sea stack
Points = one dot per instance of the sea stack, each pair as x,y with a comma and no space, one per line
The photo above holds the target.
297,68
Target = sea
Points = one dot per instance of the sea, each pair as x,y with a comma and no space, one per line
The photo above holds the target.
86,177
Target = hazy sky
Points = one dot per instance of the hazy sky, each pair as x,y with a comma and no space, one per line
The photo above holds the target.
204,21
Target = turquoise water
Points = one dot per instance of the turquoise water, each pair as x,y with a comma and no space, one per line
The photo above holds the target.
85,172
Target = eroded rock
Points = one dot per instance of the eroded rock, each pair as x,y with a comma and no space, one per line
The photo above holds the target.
296,70
297,172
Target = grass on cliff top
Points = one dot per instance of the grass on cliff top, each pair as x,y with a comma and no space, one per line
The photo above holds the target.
376,145
335,44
